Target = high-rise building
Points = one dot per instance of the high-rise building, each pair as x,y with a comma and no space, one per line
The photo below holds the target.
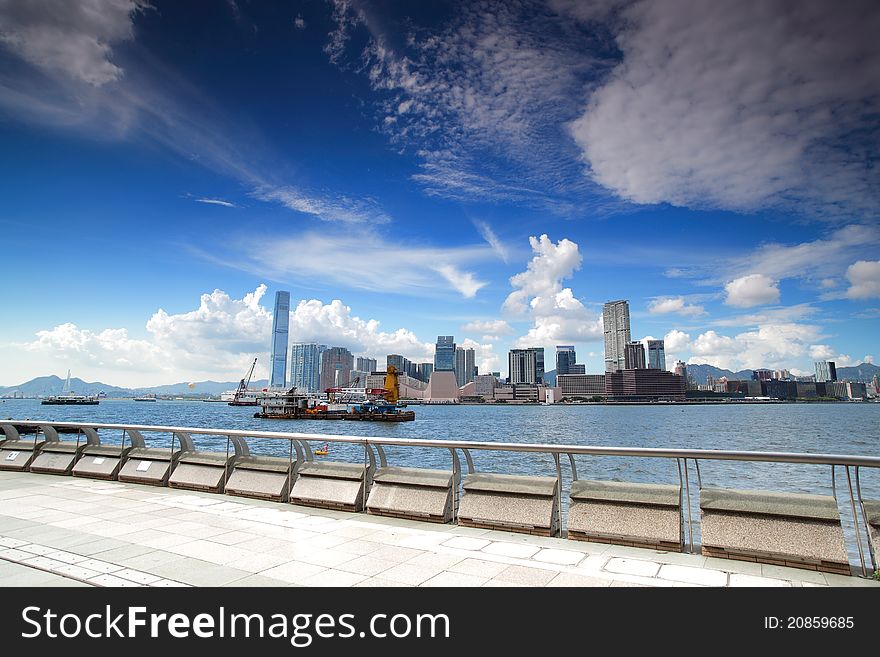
634,356
423,371
656,355
464,366
336,366
280,326
444,354
761,374
681,369
400,363
305,366
615,321
364,364
826,370
638,385
577,368
565,358
526,365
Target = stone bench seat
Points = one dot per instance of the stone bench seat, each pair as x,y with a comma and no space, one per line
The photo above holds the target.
148,465
18,454
413,493
785,529
625,513
514,503
57,457
261,477
100,461
201,471
331,485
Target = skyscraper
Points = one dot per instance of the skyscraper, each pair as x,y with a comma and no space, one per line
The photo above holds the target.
656,355
401,364
526,365
336,366
444,354
423,371
681,369
826,370
366,364
634,356
280,325
305,366
464,366
565,358
615,321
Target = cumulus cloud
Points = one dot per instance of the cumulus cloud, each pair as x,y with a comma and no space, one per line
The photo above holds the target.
676,341
491,330
484,355
771,345
751,290
738,105
864,279
677,305
821,352
73,39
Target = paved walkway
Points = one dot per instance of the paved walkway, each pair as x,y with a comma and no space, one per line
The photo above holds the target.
67,531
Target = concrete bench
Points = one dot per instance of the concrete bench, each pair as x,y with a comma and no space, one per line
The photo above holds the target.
262,477
512,503
332,485
414,493
59,456
783,529
101,461
623,513
148,465
17,453
872,517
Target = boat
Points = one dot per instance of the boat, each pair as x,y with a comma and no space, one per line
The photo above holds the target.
243,396
69,398
324,451
146,398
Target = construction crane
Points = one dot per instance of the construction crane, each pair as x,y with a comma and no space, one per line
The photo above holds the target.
243,385
392,385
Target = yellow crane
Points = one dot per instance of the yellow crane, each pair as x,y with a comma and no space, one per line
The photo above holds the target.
392,385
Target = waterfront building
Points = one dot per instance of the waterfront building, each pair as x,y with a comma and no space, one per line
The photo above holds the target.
826,370
444,354
583,386
484,385
336,366
777,389
634,356
681,369
565,358
442,387
526,365
615,322
577,368
305,366
464,366
363,364
644,385
762,375
423,371
280,328
656,355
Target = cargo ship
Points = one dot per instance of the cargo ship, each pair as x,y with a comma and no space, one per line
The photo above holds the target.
383,407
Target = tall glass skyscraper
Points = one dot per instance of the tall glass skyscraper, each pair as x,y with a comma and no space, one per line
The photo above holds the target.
565,358
305,366
656,355
464,366
444,354
336,366
280,327
615,322
826,370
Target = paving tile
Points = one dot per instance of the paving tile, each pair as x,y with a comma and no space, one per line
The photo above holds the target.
254,581
412,575
9,542
378,582
526,576
733,566
433,560
850,581
560,557
632,567
66,557
15,554
466,543
367,565
572,580
76,571
797,574
737,579
136,576
43,562
479,567
293,571
198,573
499,583
514,550
100,566
35,548
110,580
331,577
454,579
168,583
688,575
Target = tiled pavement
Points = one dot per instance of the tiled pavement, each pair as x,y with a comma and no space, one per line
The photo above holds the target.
65,531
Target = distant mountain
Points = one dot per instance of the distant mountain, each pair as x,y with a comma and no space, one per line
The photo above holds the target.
199,387
43,386
700,373
862,372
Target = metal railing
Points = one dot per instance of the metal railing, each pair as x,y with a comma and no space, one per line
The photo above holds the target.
299,441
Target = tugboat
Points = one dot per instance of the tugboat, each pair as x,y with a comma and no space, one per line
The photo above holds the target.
68,398
292,405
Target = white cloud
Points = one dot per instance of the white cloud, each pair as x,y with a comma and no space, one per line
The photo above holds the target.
868,358
676,341
491,330
340,208
738,105
677,305
492,239
73,39
464,282
218,340
864,278
484,356
299,22
751,290
828,283
217,201
821,352
770,345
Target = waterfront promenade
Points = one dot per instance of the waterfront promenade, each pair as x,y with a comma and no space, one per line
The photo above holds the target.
65,531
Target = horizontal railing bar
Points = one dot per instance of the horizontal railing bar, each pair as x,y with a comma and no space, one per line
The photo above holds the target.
592,450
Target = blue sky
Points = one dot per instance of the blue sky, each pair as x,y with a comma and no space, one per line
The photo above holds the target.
493,171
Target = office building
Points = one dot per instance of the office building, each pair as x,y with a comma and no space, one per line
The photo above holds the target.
526,365
400,363
565,358
444,354
656,355
464,366
423,371
634,356
305,366
581,386
577,369
762,375
280,327
363,364
484,385
644,385
826,370
615,322
336,366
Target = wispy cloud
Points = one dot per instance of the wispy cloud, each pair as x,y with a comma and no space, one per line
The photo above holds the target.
492,239
326,207
216,201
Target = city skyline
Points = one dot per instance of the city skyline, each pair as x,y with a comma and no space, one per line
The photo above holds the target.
500,193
